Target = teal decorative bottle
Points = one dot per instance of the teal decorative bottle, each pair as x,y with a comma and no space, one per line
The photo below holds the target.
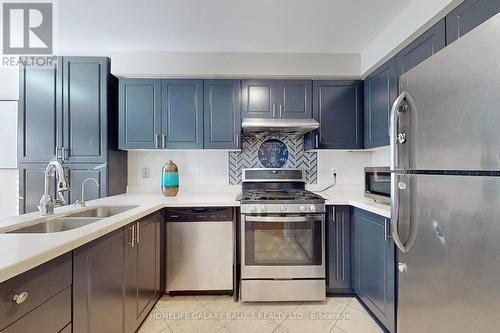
170,179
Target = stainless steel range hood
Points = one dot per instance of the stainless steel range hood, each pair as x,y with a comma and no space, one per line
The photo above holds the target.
272,126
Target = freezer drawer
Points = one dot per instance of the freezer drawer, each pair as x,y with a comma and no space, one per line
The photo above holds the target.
448,280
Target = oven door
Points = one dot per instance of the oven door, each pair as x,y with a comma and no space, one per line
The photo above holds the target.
283,247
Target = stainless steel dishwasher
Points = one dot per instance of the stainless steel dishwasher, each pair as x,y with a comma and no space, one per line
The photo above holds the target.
200,249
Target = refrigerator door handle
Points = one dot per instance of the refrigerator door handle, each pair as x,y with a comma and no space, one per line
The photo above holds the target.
394,213
393,129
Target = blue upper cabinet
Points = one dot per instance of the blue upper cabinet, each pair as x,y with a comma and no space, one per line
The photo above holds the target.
258,98
85,83
182,114
468,15
374,265
294,99
39,114
222,114
380,91
337,106
430,42
139,114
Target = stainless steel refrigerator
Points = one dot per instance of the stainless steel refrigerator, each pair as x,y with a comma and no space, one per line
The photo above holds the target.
445,151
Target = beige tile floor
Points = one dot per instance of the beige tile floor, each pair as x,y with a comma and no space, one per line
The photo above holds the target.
221,314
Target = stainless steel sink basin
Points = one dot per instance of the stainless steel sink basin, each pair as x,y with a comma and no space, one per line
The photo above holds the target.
71,221
102,212
55,225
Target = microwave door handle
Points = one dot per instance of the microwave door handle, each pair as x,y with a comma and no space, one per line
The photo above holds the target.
280,219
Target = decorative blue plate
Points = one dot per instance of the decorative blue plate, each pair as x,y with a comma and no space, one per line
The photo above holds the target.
273,153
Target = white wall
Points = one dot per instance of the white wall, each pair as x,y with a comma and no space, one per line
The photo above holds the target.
408,24
199,170
349,165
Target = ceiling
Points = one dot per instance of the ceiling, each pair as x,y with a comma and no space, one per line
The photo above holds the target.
288,26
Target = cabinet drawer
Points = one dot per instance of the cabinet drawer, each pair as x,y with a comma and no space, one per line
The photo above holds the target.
41,283
50,317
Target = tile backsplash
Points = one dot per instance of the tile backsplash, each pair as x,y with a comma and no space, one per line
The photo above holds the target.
248,157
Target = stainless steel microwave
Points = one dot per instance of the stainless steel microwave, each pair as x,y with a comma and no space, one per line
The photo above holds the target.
378,184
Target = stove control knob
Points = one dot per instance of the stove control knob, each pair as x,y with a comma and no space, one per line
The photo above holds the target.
302,209
252,209
262,209
283,208
312,208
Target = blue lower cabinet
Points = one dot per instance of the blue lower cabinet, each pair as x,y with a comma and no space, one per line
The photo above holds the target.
338,250
373,265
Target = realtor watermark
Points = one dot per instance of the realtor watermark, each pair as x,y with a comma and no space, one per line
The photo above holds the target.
28,34
250,316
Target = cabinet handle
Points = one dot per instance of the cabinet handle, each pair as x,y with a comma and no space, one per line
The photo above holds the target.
237,141
317,141
137,233
157,140
281,109
65,153
58,153
132,241
274,111
387,236
21,298
164,141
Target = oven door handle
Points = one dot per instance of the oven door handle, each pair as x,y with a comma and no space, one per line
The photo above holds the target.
309,218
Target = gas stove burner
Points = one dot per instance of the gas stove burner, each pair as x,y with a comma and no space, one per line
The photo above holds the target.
260,195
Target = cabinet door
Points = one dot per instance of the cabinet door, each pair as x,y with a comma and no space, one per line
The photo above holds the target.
98,285
139,114
39,113
374,265
339,249
85,109
142,270
468,15
380,91
77,173
294,99
222,113
337,106
182,114
258,98
31,186
422,48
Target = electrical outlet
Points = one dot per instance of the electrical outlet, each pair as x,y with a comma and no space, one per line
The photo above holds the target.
146,172
333,172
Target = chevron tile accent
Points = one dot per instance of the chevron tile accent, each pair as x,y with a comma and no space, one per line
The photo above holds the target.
248,158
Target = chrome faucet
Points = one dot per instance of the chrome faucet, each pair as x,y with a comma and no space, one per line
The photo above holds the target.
81,202
46,205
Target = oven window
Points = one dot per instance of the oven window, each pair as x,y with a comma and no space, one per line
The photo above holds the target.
379,183
283,243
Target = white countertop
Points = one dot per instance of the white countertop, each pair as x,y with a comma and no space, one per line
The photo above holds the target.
22,252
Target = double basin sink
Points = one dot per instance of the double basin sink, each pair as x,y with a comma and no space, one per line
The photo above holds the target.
71,221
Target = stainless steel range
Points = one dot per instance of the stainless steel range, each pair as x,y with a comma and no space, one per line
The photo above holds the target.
282,237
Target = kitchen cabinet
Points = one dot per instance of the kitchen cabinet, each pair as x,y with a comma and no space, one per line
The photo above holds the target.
276,99
98,276
31,186
39,114
430,42
294,99
222,114
374,265
468,15
140,114
68,112
380,92
338,250
85,88
182,114
337,106
142,269
258,98
38,300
